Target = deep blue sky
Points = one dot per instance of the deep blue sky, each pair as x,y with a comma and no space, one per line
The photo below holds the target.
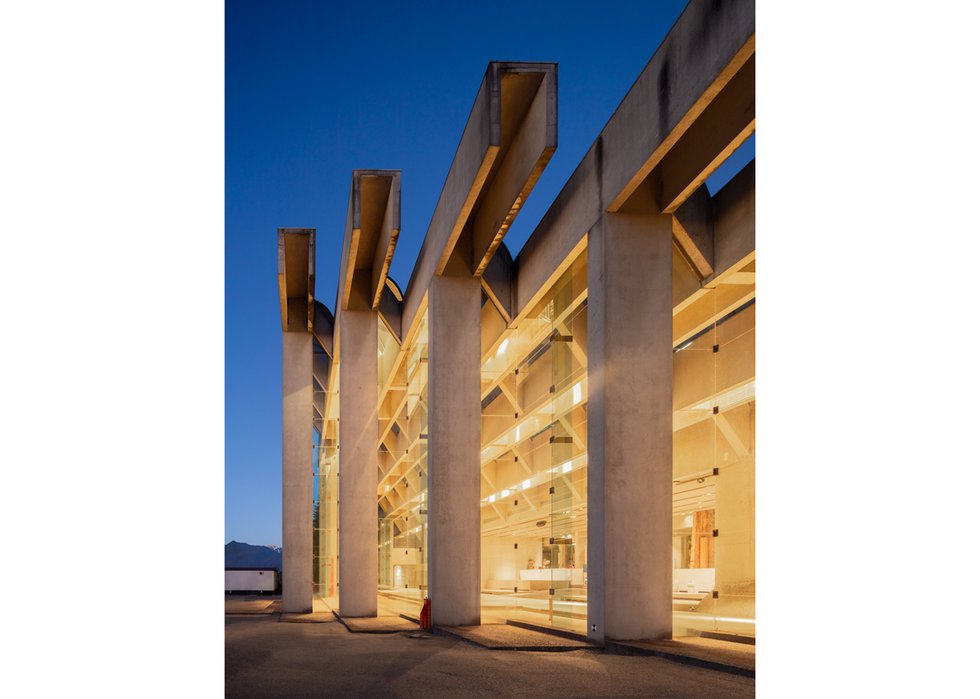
317,89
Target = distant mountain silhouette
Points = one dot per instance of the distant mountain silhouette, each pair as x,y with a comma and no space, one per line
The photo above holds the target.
239,555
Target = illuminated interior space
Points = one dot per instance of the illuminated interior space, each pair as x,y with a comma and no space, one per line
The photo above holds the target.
714,458
564,437
533,505
402,468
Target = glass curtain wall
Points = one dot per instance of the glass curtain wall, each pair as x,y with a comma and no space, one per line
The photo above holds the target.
714,459
402,469
325,489
534,457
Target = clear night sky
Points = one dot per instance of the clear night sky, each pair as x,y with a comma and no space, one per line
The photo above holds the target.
317,89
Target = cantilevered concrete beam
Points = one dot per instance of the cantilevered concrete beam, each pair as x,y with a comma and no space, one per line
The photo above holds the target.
700,80
373,224
296,277
509,138
510,135
722,127
296,281
528,127
706,48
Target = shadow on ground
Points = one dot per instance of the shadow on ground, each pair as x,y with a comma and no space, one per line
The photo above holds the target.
266,658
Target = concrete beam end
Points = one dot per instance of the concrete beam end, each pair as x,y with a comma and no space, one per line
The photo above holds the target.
373,225
297,275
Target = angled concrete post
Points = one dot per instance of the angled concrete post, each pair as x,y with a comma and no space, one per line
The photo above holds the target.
454,450
630,435
296,277
373,224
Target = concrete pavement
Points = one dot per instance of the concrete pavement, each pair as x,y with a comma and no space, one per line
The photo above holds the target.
265,658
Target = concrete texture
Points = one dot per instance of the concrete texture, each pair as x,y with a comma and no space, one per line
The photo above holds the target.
296,275
378,624
252,604
454,451
507,637
630,432
358,504
297,471
311,618
734,224
373,224
691,106
704,51
721,654
264,658
516,109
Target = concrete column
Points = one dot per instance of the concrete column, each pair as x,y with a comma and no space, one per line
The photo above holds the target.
454,450
630,427
297,472
358,505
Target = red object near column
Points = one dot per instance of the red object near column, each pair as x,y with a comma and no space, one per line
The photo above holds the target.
425,616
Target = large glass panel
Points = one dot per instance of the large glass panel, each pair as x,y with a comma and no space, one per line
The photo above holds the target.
325,490
402,469
533,516
569,457
714,459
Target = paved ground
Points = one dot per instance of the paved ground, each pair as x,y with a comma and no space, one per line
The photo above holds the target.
252,604
705,649
507,637
379,624
266,658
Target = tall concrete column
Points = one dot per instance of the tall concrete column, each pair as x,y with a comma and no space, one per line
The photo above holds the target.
297,472
358,504
454,450
630,433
